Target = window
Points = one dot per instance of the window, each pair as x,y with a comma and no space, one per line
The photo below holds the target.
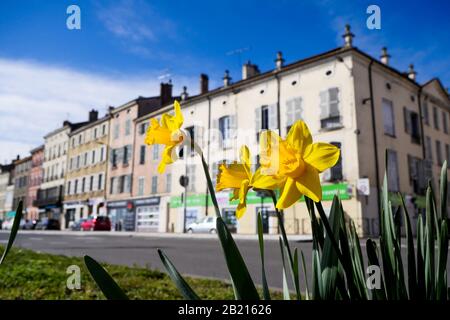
425,114
143,128
438,153
127,184
104,129
444,122
116,131
388,117
428,149
191,134
141,183
293,112
411,119
95,133
85,159
417,176
142,155
266,117
435,118
69,185
100,181
83,185
78,162
128,127
155,151
447,154
329,109
168,182
154,184
112,186
336,171
126,154
75,190
114,157
93,157
392,171
225,128
91,183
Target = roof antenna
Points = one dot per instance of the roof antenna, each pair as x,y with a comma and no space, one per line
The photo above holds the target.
239,53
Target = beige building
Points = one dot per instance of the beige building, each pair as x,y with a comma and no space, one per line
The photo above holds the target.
86,171
361,104
22,168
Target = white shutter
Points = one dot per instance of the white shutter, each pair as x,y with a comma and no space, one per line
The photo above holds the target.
233,126
273,118
258,119
324,113
297,109
214,135
289,112
334,102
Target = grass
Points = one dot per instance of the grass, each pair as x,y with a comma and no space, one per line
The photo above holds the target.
29,275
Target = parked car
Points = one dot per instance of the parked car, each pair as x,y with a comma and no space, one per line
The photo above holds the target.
204,225
7,224
48,224
96,223
76,225
29,224
102,223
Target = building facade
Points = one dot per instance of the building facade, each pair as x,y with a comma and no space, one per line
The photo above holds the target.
122,201
6,189
368,109
86,172
22,168
35,180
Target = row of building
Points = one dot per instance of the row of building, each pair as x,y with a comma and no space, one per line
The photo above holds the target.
363,105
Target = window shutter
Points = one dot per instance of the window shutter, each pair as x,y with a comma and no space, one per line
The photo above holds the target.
298,109
258,119
289,112
407,118
273,119
233,126
392,170
422,181
198,135
333,102
324,105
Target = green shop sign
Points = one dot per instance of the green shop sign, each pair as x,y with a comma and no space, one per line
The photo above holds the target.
199,200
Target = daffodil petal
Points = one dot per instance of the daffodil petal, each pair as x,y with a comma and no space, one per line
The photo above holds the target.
309,183
299,137
242,206
245,156
266,182
178,118
290,194
322,155
231,176
166,158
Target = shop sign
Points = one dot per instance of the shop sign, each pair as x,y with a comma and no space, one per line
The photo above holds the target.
153,201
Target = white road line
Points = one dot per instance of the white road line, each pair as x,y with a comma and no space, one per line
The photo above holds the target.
57,242
35,239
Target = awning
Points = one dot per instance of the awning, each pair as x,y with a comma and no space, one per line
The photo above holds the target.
10,214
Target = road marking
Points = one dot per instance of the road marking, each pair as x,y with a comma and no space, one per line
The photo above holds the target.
57,242
35,239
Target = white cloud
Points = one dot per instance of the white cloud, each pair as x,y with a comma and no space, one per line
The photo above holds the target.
36,98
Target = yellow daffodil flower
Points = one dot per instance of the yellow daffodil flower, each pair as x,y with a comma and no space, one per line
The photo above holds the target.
167,133
239,178
297,161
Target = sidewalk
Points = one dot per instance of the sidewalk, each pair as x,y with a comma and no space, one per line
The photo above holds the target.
270,237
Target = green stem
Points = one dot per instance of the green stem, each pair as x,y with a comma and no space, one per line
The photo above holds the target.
286,243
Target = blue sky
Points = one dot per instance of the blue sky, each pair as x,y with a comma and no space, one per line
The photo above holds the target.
125,48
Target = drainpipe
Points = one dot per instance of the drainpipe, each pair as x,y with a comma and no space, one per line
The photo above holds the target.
375,145
278,103
207,157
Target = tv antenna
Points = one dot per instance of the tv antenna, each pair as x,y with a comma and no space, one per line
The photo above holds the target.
165,74
238,52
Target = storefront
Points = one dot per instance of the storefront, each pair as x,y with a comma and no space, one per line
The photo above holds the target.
122,215
147,214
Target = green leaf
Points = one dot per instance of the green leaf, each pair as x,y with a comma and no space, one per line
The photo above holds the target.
443,191
266,292
105,282
14,229
184,288
429,245
412,276
317,275
372,256
306,276
286,294
441,281
421,292
244,286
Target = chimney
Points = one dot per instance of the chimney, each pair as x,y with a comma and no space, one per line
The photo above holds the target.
93,115
204,83
226,79
166,93
384,56
184,94
348,37
279,61
110,109
411,72
249,70
18,157
66,123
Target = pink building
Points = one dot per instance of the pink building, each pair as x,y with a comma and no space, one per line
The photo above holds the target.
35,180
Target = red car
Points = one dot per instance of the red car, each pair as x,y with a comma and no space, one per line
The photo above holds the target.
99,223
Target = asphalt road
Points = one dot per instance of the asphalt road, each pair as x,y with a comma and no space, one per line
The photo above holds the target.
192,256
